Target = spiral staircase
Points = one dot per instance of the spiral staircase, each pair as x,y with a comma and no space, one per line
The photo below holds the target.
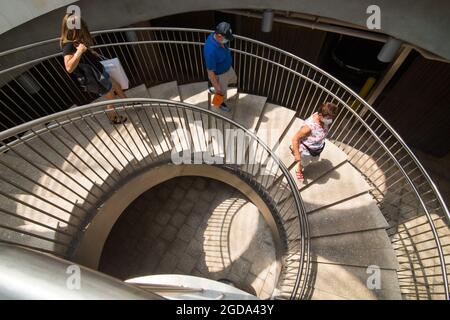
363,212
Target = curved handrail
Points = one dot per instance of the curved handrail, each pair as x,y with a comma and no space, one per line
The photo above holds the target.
326,84
53,121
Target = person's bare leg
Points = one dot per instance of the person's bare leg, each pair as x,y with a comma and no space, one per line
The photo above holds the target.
116,92
118,89
110,96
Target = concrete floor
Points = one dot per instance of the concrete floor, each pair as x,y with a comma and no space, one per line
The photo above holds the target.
193,226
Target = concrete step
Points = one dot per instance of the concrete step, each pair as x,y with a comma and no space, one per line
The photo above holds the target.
139,91
353,283
346,218
274,119
60,161
35,237
337,185
248,110
168,91
70,188
52,211
330,157
175,127
361,249
232,101
195,93
270,170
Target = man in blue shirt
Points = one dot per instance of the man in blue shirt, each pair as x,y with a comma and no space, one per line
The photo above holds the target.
218,61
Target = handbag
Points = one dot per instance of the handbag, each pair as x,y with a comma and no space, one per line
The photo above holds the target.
91,79
314,152
116,71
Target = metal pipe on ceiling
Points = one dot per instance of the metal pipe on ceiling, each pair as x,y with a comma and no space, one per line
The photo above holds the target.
319,23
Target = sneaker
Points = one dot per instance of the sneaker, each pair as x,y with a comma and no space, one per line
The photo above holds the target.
224,107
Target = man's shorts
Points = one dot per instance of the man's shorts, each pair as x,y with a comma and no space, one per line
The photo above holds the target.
225,79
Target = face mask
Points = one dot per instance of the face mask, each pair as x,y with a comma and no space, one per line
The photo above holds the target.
327,121
224,41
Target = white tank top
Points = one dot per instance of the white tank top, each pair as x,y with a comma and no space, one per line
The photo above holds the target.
317,137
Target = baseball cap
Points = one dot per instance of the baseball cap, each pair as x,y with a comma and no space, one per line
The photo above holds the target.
224,29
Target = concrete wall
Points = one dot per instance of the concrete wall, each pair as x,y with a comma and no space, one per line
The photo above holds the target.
424,23
14,13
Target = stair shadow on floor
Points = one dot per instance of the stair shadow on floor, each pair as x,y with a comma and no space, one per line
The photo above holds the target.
320,172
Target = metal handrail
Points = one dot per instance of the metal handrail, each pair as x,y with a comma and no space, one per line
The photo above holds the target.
54,122
30,275
254,57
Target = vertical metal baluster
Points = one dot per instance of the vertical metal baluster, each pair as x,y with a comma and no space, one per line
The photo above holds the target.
158,122
133,138
141,60
311,98
364,142
169,114
145,109
149,57
37,183
167,58
199,56
23,101
32,163
254,71
54,165
290,96
184,48
239,66
15,215
71,86
146,132
29,205
193,47
68,161
343,118
281,79
245,85
55,82
321,100
48,95
250,71
92,144
147,75
13,112
34,195
80,158
302,112
102,141
188,49
288,83
131,56
158,57
260,71
145,121
165,125
275,84
177,58
122,57
270,87
183,127
113,140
